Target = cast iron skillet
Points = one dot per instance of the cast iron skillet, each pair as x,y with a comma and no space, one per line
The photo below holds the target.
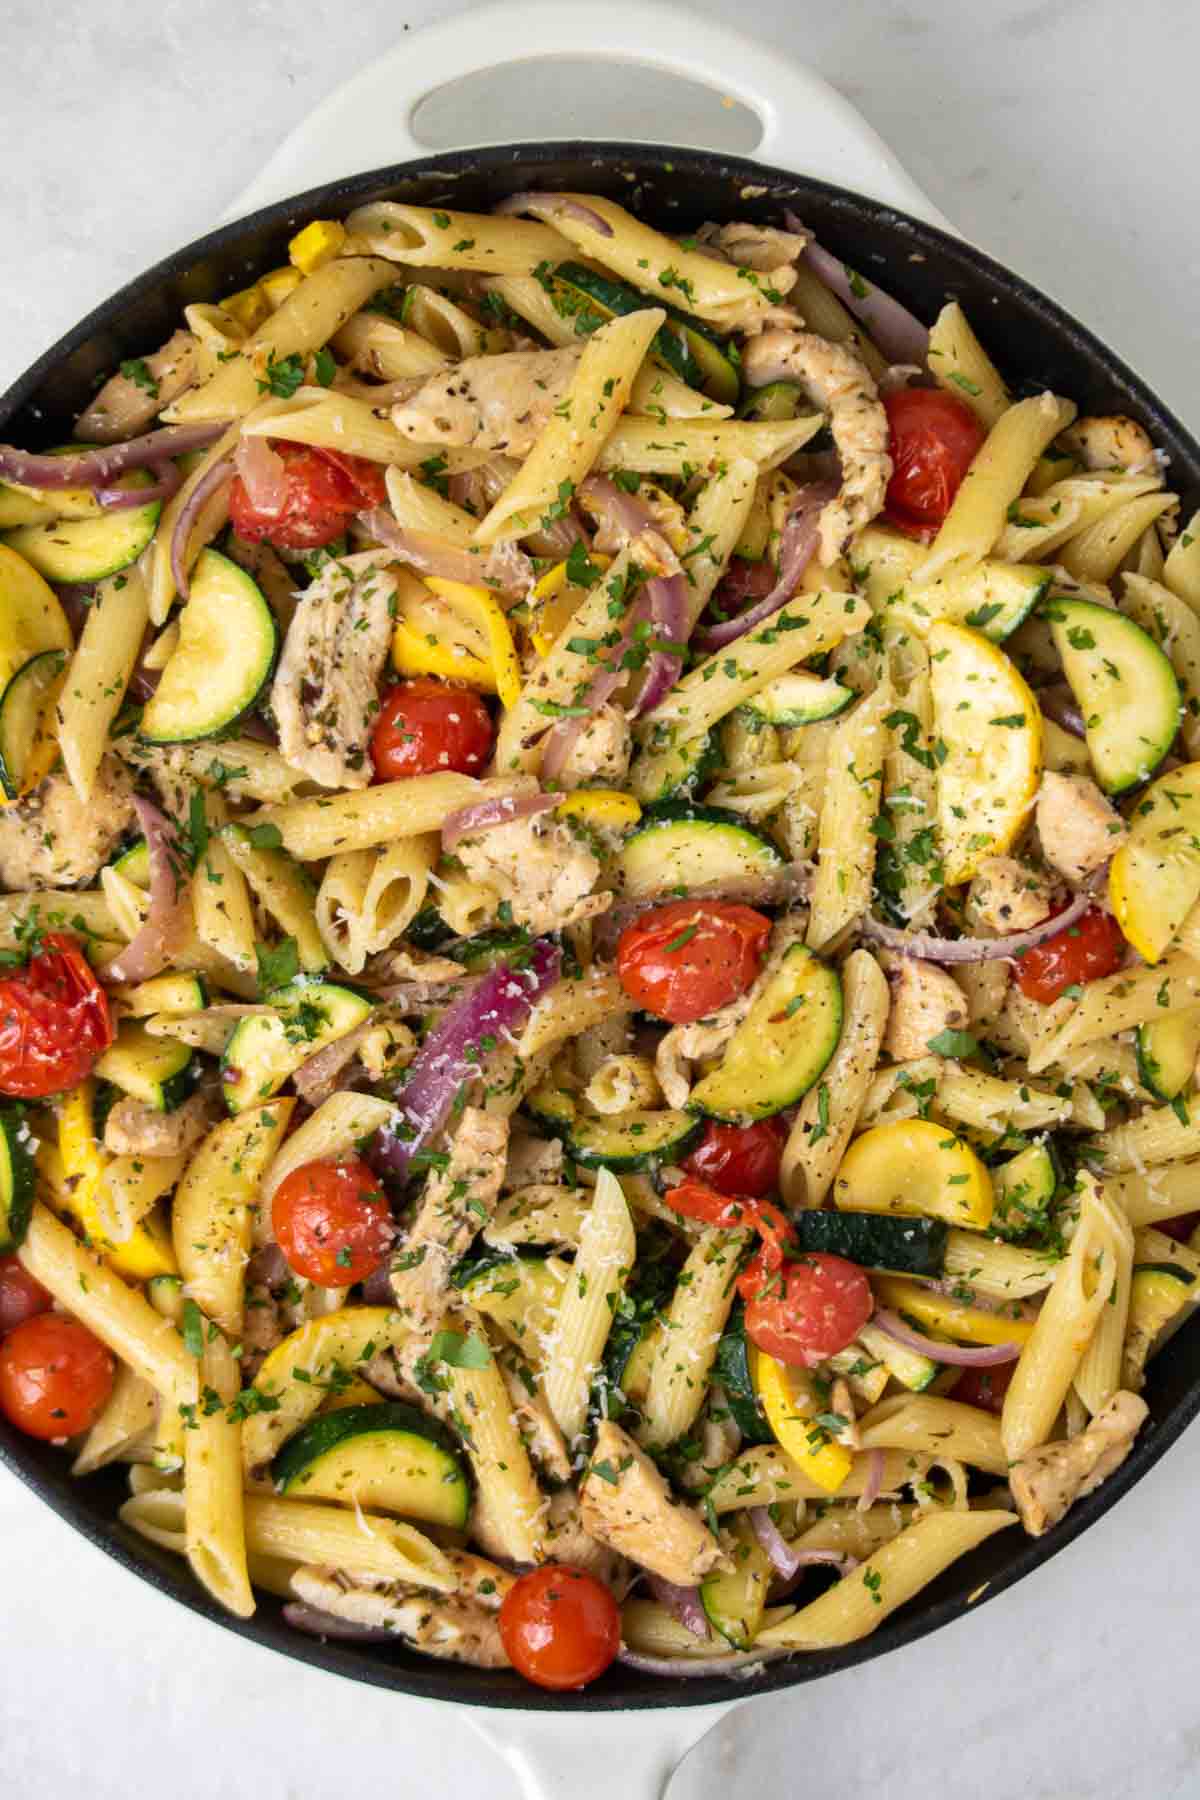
1036,345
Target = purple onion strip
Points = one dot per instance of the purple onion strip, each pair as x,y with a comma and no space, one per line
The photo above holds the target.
958,1356
96,468
549,207
898,333
924,948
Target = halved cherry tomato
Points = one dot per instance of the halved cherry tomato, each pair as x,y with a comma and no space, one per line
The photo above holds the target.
934,438
323,490
695,1200
425,726
1092,947
689,958
739,1159
985,1387
332,1222
55,1377
21,1297
807,1309
560,1626
54,1021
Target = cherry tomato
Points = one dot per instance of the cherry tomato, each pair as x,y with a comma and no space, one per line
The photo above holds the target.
739,1159
560,1626
323,490
332,1222
934,438
689,958
21,1297
425,726
54,1021
743,583
807,1309
695,1200
55,1377
1092,947
985,1387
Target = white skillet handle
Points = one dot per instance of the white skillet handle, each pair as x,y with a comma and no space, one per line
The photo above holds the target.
589,1756
807,127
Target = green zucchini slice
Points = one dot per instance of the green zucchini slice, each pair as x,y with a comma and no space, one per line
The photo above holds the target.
22,704
677,847
134,863
520,1294
1024,1188
732,1370
905,1246
800,699
1123,685
779,1050
671,770
624,1142
266,1050
992,597
88,549
489,948
16,1178
734,1603
910,1368
777,400
388,1456
1166,1052
159,1071
682,345
223,660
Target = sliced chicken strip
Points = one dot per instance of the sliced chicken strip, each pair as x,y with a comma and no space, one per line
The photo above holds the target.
489,402
629,1506
326,689
1047,1481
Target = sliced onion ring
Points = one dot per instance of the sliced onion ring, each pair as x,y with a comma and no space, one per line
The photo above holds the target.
500,809
924,948
502,566
683,1603
798,541
873,1485
958,1356
221,471
691,1668
899,335
166,482
96,468
549,207
1059,703
166,923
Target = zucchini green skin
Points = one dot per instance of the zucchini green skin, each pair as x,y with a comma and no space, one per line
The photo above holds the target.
134,863
21,706
799,700
671,773
1024,1188
160,1072
1166,1053
261,1055
906,1246
639,1310
682,344
732,1370
220,667
734,1601
428,931
433,1455
17,1180
777,400
491,947
782,1045
629,1142
1124,686
89,549
678,846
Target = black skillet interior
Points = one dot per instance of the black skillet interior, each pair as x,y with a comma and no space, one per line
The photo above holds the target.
1036,345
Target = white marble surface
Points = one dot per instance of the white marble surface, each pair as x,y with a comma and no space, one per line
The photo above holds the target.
1060,134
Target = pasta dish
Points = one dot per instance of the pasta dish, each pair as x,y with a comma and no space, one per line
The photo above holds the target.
600,940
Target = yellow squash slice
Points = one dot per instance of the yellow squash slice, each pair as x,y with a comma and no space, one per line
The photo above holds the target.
1155,877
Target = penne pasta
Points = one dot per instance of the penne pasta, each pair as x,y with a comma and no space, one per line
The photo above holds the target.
98,674
607,1249
690,1332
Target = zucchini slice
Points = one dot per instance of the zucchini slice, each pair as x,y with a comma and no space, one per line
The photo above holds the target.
682,345
992,597
777,400
909,1367
800,699
489,948
625,1142
389,1456
520,1294
265,1050
17,1178
1023,1189
1155,877
732,1370
917,1168
876,1241
670,770
134,863
677,846
781,1046
734,1603
1124,686
174,994
88,549
223,660
27,750
1166,1052
159,1071
1162,1295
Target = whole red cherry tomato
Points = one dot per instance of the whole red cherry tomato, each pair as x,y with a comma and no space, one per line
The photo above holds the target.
1092,947
55,1377
739,1159
425,726
323,489
332,1222
934,439
985,1387
560,1626
802,1311
21,1297
54,1021
686,960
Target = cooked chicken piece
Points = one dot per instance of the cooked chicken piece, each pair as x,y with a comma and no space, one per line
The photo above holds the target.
600,754
925,1001
457,1200
326,688
833,378
720,1441
760,247
1047,1481
52,838
1079,828
126,406
540,868
489,402
1112,442
532,1160
135,1129
687,1044
397,1374
629,1506
1007,896
446,1626
569,1541
399,964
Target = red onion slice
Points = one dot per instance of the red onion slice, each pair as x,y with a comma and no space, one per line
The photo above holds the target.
318,1623
797,544
787,1561
1059,703
667,597
117,499
549,207
924,948
958,1356
485,815
453,1054
873,1485
263,473
208,484
561,738
899,335
692,1668
96,468
503,566
166,924
683,1603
